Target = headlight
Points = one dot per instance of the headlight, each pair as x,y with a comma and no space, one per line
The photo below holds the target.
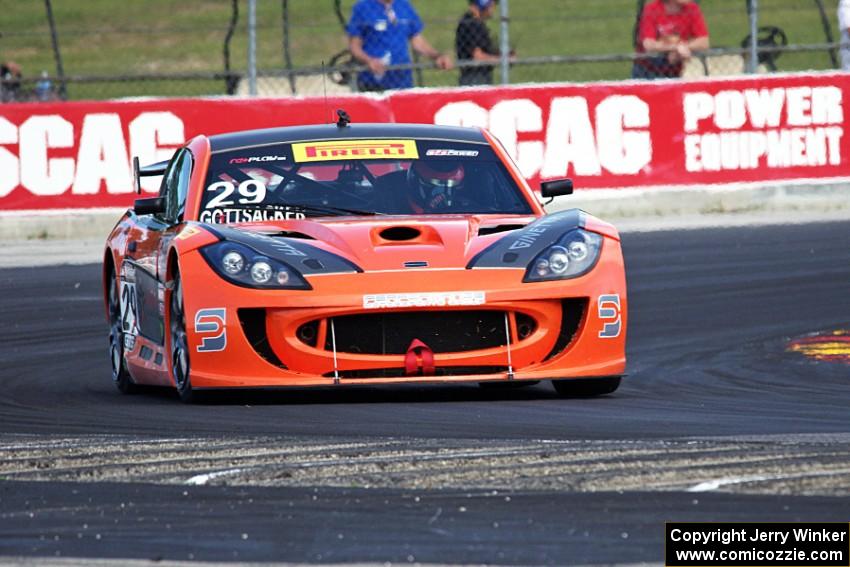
261,272
572,256
559,260
242,265
233,263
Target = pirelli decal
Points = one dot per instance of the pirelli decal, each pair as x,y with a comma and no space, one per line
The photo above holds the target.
354,149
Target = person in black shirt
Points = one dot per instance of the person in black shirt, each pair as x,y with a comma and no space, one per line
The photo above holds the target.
473,43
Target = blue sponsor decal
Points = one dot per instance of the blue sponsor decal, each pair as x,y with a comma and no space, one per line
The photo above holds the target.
609,313
210,324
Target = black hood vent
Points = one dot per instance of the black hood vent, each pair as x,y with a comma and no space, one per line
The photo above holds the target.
485,230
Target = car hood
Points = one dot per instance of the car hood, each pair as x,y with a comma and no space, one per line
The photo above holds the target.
405,242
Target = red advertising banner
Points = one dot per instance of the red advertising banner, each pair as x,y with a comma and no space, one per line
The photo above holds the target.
79,154
660,133
760,129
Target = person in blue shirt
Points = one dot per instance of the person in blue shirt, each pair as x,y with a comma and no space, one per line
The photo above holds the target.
379,32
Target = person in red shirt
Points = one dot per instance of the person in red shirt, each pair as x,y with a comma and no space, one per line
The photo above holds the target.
669,32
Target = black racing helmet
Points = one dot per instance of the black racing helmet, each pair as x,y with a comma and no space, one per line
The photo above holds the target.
435,185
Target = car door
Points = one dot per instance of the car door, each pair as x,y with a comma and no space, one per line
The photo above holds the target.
148,256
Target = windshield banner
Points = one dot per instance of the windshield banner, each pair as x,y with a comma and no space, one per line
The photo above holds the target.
604,135
354,149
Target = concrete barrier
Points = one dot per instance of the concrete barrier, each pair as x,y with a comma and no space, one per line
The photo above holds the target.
615,205
77,237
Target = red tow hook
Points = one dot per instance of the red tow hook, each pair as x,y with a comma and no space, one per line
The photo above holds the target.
419,360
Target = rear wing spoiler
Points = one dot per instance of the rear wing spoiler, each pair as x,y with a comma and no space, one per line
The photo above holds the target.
152,170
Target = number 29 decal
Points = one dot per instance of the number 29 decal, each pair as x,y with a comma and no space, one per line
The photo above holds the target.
129,305
251,192
609,313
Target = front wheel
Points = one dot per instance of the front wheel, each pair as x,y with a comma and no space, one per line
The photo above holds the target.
587,387
179,343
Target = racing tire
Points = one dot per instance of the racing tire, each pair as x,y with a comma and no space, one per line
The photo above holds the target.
179,344
587,387
120,375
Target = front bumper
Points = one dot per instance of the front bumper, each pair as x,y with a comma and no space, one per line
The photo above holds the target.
265,346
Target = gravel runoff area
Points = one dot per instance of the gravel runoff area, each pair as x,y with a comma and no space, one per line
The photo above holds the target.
769,464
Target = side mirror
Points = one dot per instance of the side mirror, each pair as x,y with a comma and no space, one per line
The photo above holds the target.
152,206
552,189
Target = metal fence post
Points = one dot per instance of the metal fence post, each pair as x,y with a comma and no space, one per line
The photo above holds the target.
505,47
252,47
60,71
753,63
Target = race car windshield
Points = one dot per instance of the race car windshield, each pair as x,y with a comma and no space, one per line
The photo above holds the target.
358,177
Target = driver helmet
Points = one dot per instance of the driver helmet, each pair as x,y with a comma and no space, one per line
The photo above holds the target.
435,185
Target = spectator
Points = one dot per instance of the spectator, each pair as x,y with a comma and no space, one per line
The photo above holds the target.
844,26
379,32
473,43
670,30
10,81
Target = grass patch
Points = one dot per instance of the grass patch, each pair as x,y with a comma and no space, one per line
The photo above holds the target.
104,37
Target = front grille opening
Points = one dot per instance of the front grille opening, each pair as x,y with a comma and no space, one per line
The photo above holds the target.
253,323
308,333
442,331
399,372
525,326
573,311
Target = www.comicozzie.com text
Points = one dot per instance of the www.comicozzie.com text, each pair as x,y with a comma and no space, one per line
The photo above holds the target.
727,536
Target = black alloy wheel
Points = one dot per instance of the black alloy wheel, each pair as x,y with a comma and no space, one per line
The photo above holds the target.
179,343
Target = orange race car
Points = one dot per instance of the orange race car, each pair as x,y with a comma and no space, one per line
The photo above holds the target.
344,254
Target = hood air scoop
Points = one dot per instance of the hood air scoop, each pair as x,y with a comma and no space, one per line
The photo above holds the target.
400,233
406,235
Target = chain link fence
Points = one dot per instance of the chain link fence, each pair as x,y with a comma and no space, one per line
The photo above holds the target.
200,47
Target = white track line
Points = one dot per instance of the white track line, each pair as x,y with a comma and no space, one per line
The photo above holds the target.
202,479
709,485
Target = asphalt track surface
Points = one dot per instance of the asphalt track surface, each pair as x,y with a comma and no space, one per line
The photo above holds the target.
715,422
